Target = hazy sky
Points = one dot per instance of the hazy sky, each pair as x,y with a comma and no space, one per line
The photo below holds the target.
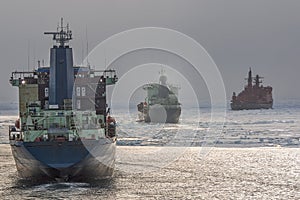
262,34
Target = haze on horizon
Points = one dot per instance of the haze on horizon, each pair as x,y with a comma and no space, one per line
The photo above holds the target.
263,35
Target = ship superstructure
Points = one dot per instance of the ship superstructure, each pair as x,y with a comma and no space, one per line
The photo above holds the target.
161,104
62,131
254,96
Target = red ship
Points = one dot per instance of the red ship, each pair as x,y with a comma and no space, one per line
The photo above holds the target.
254,96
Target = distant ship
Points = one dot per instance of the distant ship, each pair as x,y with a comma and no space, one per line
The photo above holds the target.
161,104
253,96
64,131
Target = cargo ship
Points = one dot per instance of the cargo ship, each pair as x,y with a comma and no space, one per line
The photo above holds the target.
254,96
161,104
64,131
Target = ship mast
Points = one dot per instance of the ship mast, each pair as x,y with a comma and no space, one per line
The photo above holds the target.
61,67
163,77
63,34
250,78
257,80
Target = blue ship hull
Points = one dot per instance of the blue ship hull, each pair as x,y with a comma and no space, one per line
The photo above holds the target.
64,130
74,160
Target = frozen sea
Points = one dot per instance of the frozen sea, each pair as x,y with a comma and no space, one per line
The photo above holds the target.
210,154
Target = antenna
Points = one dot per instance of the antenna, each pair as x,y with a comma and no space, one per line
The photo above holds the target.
162,70
63,34
87,46
34,56
82,52
104,58
28,55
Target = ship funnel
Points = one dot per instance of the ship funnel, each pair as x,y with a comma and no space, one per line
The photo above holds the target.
61,66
